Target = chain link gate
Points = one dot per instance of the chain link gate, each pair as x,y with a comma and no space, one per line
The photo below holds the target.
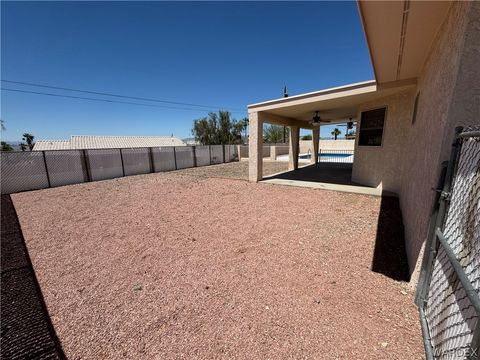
449,283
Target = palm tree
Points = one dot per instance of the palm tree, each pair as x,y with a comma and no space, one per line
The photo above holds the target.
273,134
244,124
335,132
28,138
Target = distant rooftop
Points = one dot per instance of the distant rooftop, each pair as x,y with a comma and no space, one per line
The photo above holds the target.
51,145
107,142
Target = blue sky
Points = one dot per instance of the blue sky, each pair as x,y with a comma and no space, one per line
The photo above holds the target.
219,54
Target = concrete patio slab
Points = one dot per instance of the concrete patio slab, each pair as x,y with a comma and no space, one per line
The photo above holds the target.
327,186
325,176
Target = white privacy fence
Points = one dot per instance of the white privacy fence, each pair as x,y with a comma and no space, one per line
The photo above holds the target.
32,170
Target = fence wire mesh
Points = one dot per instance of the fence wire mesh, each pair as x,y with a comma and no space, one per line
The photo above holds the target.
22,171
184,155
216,154
65,167
33,170
451,317
163,159
136,161
105,164
232,153
203,155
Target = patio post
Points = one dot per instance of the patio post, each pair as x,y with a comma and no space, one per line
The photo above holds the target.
294,145
255,148
315,140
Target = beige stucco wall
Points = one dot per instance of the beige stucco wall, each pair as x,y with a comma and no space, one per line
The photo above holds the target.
410,158
382,165
449,96
243,151
339,144
276,150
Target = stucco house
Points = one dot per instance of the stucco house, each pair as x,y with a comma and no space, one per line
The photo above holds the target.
426,61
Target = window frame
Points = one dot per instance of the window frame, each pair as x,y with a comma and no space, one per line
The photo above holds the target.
383,129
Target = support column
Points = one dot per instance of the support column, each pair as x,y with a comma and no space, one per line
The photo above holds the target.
294,145
273,152
315,139
255,148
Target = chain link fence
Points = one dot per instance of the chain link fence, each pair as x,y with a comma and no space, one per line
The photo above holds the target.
449,284
33,170
216,154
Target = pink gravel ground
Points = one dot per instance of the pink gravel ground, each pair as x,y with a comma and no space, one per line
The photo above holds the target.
173,265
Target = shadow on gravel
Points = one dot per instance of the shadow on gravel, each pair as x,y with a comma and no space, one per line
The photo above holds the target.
390,255
26,329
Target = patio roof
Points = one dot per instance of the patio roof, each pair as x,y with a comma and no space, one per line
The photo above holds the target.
334,105
398,35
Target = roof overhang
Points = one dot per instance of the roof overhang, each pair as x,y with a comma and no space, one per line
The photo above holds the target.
334,104
399,35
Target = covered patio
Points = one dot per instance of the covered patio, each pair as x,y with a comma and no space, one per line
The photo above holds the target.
332,106
326,176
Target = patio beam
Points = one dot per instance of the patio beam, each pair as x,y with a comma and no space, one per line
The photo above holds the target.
255,148
282,120
315,140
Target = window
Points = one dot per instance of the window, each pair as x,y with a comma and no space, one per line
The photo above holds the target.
371,127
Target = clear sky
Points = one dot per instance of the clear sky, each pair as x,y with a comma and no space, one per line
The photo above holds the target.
219,54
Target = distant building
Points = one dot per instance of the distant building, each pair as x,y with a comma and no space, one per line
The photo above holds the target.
78,142
190,141
52,145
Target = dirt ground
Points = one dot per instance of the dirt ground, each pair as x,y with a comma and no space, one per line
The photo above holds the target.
171,265
236,170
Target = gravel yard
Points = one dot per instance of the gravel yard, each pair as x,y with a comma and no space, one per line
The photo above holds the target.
172,265
236,170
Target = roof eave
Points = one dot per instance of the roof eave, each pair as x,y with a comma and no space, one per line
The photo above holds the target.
339,91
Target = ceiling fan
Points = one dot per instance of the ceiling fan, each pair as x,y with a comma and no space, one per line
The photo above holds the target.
316,120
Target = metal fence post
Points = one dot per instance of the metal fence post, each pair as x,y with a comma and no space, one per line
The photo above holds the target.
86,164
194,156
46,168
223,153
175,157
210,153
438,218
150,159
121,159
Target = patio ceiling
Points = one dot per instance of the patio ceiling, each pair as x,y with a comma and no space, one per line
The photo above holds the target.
399,35
334,104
